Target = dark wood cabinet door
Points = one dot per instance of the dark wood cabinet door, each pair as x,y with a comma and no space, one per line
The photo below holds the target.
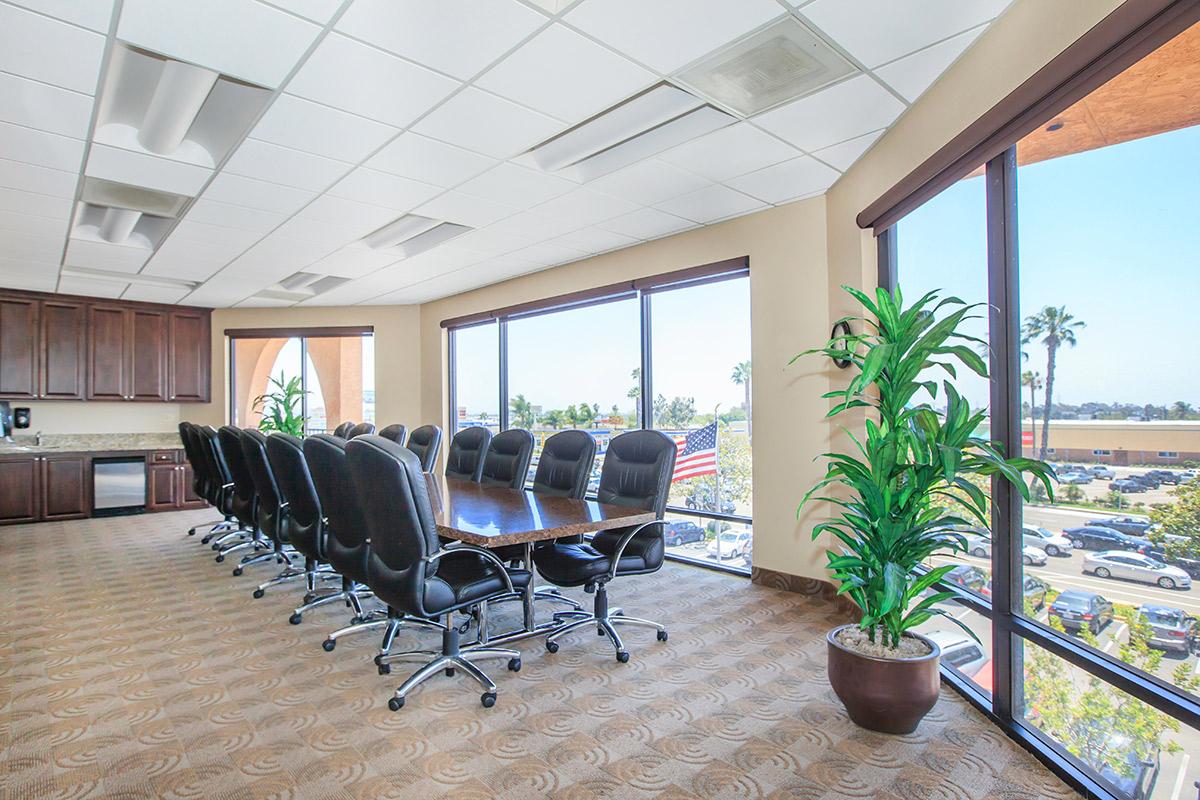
63,326
190,359
18,348
20,480
190,498
163,490
148,346
64,487
108,353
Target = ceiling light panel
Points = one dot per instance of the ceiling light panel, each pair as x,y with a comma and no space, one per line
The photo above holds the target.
510,129
458,37
711,204
302,125
358,78
283,165
241,38
730,151
103,224
93,15
833,115
99,192
435,236
667,34
44,107
399,230
915,73
49,51
779,63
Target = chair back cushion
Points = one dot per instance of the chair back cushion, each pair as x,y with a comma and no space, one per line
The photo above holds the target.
565,465
245,496
395,432
361,429
343,431
507,459
272,516
286,456
465,457
346,533
637,471
425,442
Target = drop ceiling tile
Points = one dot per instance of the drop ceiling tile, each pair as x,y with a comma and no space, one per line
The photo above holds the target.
458,37
16,222
142,169
383,189
547,254
273,258
304,125
358,219
153,294
877,31
428,160
235,239
38,147
228,188
271,162
710,204
667,34
913,74
319,11
91,287
37,47
730,151
101,255
32,178
46,108
495,240
487,124
231,216
535,226
565,75
93,15
39,205
594,240
353,262
584,207
833,115
783,182
842,155
31,247
241,38
360,79
318,237
649,182
465,209
516,185
186,261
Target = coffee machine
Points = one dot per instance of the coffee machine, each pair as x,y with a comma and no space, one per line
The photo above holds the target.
6,421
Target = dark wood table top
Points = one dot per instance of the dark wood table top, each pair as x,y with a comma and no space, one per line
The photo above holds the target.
489,516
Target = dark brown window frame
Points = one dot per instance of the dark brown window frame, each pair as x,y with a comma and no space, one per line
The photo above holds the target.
312,332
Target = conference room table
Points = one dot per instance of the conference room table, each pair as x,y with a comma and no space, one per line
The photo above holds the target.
493,516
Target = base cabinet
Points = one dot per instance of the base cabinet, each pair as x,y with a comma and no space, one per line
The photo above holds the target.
20,480
169,483
34,488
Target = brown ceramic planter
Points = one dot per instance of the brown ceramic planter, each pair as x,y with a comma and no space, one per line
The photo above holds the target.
889,695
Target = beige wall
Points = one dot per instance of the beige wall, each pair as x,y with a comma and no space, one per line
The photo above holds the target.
72,416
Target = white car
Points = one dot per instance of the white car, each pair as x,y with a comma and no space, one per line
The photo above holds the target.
959,651
1054,544
732,544
1102,472
980,546
1033,556
1135,567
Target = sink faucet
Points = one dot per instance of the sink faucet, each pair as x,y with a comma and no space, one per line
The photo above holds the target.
38,438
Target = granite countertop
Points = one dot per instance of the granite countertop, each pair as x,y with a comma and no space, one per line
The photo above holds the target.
90,443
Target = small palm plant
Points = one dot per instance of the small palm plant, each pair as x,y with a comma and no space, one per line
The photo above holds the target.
908,487
281,407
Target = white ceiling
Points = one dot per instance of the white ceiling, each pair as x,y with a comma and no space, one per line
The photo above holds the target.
380,108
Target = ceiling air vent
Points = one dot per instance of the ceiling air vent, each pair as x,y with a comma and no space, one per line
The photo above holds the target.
413,234
299,286
118,213
777,64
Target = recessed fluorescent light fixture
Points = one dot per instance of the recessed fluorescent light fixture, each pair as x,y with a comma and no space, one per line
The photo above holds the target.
644,125
413,233
779,63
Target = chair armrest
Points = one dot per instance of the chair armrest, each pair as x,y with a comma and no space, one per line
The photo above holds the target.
624,542
479,551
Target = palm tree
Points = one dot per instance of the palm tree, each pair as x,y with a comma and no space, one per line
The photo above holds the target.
585,414
1181,410
741,376
1053,327
635,393
522,411
553,418
1034,381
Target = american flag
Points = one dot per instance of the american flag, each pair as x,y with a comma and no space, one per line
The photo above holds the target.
696,454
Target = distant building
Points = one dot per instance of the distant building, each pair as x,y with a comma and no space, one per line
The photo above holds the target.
1117,441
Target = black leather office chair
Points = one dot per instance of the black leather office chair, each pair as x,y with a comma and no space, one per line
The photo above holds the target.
395,432
637,473
219,488
244,501
507,460
361,429
200,479
274,513
464,459
343,430
565,465
410,571
425,442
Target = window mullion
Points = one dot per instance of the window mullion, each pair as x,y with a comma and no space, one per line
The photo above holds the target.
646,384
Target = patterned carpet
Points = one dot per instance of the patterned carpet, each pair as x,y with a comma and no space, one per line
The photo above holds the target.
133,666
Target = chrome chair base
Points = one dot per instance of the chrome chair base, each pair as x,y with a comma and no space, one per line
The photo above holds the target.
605,620
310,572
215,526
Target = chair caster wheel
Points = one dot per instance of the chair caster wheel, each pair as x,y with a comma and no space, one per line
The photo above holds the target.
378,659
258,594
662,636
295,619
449,672
219,559
551,647
396,703
514,664
385,669
308,598
215,546
237,571
623,656
328,645
599,631
488,699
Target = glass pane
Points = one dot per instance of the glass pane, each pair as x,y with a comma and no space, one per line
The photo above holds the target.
574,369
316,422
701,384
970,656
368,379
477,377
255,361
1108,193
336,379
696,538
1138,751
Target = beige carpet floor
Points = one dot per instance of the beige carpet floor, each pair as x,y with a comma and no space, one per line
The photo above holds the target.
133,666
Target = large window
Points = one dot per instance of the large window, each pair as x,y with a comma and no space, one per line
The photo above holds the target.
1096,662
335,376
674,356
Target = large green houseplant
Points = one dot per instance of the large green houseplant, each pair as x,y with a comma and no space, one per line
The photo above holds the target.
903,495
281,406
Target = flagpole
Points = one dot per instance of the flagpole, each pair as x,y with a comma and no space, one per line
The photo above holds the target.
717,477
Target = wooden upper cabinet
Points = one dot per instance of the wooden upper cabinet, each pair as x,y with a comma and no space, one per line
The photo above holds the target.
148,355
190,357
18,348
108,353
63,350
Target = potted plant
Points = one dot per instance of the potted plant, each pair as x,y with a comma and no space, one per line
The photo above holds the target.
280,408
901,497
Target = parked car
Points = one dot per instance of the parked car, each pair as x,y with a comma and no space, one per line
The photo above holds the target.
1145,479
1101,471
1055,544
1095,537
1033,556
1035,592
1075,478
1135,567
1171,628
1126,486
679,532
979,544
1129,525
971,578
1078,609
705,502
731,544
1189,565
1188,475
1133,776
1164,476
959,651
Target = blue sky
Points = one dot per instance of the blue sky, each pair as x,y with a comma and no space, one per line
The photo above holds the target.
1110,233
